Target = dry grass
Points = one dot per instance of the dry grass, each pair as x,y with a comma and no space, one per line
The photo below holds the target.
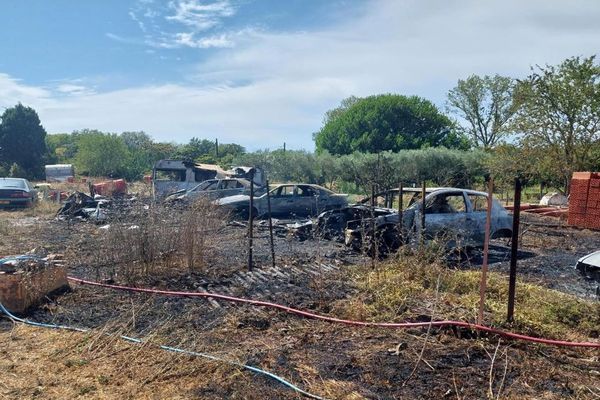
63,365
405,288
160,238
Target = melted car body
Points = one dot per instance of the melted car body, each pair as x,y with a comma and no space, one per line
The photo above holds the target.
288,201
456,216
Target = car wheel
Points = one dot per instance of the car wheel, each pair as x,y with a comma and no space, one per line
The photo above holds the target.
244,213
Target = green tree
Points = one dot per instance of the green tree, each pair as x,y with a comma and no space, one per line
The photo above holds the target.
16,171
486,104
62,147
195,149
387,122
23,140
336,112
137,140
559,113
141,157
101,154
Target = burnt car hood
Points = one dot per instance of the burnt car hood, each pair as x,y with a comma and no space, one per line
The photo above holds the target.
237,199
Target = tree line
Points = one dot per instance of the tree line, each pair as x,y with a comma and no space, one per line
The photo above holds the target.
541,127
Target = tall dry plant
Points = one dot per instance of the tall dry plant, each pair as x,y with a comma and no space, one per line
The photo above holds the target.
146,240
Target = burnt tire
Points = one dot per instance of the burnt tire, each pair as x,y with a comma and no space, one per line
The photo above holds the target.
388,240
244,213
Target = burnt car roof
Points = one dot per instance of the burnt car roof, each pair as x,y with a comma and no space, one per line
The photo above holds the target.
429,190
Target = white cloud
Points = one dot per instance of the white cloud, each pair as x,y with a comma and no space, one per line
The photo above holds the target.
185,39
74,89
275,87
13,91
199,16
190,22
188,39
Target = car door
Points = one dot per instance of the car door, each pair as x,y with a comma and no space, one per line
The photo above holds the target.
476,217
282,199
306,201
445,217
206,189
227,187
32,191
325,201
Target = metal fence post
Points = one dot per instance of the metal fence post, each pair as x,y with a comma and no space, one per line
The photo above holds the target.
250,223
514,252
270,225
400,211
486,249
423,194
373,241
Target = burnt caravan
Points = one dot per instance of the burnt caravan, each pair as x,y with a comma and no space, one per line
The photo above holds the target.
170,176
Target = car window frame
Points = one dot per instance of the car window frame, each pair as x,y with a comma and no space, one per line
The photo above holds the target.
472,206
446,194
279,189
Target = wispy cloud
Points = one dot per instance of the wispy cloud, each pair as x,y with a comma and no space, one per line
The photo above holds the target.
181,24
13,90
137,20
122,39
200,17
73,89
189,40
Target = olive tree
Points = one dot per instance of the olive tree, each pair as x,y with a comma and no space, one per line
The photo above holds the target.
559,112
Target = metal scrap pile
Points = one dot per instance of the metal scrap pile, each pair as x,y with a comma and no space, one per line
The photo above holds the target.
34,260
80,206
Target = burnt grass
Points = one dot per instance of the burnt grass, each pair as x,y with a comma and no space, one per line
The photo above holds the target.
331,360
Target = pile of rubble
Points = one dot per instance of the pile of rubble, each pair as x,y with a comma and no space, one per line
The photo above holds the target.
28,278
35,260
80,206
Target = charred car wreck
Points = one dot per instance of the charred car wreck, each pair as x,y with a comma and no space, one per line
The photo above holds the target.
288,200
213,189
169,176
456,215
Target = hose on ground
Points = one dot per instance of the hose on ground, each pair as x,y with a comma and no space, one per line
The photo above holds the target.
306,314
170,349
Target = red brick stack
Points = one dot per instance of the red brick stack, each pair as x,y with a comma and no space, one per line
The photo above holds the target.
584,200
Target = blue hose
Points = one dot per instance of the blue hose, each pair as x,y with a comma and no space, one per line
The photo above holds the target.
170,349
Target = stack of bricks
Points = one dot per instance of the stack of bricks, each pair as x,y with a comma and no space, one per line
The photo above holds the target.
584,200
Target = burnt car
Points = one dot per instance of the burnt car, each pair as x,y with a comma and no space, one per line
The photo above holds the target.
16,192
211,189
589,266
332,224
454,215
287,201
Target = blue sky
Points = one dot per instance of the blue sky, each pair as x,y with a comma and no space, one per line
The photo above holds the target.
261,72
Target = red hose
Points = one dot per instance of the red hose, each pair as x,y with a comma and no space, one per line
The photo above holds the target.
401,325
